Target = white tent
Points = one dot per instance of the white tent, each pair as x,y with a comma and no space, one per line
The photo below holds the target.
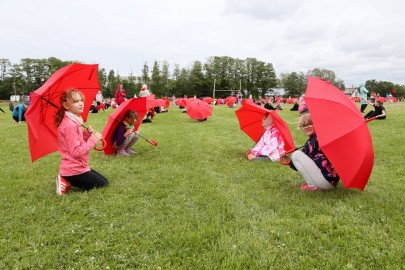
355,93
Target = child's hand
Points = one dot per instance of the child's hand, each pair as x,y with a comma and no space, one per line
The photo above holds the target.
96,136
129,131
282,154
251,156
89,129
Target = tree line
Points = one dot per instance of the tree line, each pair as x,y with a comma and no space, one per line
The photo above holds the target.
252,76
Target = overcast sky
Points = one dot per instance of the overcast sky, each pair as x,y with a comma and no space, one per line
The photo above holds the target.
357,39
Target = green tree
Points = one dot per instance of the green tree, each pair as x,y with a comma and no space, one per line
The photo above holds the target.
165,77
294,83
174,86
197,80
145,74
155,83
112,83
327,75
4,65
54,64
183,83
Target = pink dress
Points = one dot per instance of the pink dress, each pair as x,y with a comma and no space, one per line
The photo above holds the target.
271,144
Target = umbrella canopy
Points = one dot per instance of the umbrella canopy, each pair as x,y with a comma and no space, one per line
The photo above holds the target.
249,100
190,100
342,132
209,100
167,102
181,102
198,109
230,101
140,105
250,118
42,133
159,102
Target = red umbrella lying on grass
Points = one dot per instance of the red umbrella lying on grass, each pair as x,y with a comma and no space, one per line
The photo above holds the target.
198,109
42,133
209,100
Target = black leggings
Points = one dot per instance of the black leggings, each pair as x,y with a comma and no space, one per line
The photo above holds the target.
371,114
363,107
88,180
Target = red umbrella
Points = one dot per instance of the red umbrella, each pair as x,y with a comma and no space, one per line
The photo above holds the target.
167,102
209,100
198,109
191,100
140,105
159,102
249,100
230,101
250,118
342,132
42,133
181,102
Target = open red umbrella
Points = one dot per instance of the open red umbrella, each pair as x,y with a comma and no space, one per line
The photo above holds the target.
159,102
342,132
230,101
181,102
198,109
167,102
140,105
209,100
250,118
42,133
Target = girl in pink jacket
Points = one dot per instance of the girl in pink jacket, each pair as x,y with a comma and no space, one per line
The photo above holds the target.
270,145
74,145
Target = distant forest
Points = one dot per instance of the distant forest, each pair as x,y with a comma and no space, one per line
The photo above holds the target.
250,75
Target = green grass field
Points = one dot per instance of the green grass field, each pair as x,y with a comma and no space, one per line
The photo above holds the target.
195,202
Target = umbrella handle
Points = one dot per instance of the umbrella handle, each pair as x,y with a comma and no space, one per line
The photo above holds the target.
152,142
286,160
103,145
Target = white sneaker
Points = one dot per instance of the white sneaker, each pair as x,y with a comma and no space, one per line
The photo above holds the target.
62,186
130,151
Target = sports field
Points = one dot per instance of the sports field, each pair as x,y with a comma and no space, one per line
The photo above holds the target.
195,202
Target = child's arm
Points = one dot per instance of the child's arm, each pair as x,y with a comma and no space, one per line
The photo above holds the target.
367,101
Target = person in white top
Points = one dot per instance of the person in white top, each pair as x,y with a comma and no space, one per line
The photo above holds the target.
144,91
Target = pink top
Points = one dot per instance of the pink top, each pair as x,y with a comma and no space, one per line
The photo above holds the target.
271,144
74,147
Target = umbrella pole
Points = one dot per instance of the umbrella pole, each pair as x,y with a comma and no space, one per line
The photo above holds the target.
371,119
152,142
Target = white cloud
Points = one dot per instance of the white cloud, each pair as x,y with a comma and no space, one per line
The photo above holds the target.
359,40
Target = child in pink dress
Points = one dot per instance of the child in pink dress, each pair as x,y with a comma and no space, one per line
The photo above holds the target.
270,145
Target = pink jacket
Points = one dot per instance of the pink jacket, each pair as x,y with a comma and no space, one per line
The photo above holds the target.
271,144
74,147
